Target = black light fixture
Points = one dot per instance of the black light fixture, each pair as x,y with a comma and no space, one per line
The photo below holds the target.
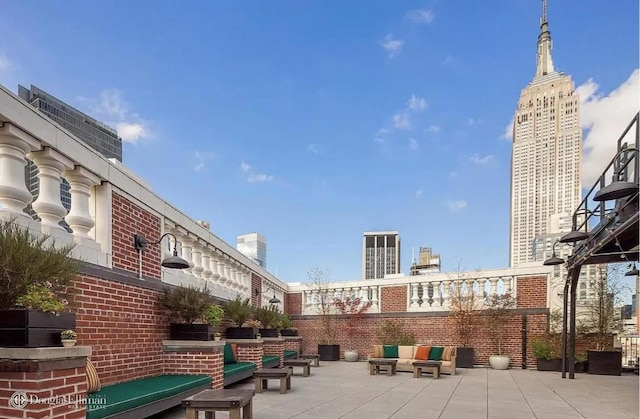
632,271
616,190
574,236
553,260
272,300
173,262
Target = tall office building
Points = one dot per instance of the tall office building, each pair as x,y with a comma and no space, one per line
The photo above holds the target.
546,162
428,262
95,134
253,246
380,254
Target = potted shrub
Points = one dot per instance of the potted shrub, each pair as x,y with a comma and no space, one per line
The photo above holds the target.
36,285
352,309
328,349
68,338
547,358
239,311
463,316
187,308
217,336
581,361
496,316
286,326
269,318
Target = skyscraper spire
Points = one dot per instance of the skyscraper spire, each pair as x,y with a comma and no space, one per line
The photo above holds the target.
544,61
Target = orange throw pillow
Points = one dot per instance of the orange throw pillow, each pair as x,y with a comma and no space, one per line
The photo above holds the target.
422,352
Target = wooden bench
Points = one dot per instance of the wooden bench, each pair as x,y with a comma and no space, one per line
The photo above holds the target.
313,357
263,375
212,401
144,396
304,363
388,364
432,367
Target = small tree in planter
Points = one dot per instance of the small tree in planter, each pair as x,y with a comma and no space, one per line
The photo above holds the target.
239,311
463,316
187,309
498,312
353,310
548,349
328,349
286,326
393,334
269,317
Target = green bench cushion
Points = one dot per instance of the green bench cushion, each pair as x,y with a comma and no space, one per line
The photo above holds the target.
270,360
131,394
230,369
290,354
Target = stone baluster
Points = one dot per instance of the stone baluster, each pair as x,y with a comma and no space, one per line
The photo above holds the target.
14,194
227,274
81,185
48,206
222,278
446,293
235,285
374,296
508,285
437,294
206,264
364,291
494,286
481,284
414,295
196,257
186,244
215,262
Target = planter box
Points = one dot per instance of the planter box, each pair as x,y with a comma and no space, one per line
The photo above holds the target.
269,333
241,332
581,366
31,329
604,362
549,364
183,331
329,352
289,332
464,357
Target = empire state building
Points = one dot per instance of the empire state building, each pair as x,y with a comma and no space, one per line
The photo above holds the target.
546,161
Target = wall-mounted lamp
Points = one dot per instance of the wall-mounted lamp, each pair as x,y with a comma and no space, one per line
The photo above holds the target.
273,300
173,262
554,260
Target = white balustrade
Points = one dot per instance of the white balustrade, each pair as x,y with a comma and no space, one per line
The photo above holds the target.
196,257
81,186
206,264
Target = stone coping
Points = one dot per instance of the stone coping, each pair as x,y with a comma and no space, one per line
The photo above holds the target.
249,342
45,353
272,340
192,345
292,338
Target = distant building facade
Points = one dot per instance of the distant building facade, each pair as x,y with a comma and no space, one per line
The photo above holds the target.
428,262
253,246
90,131
380,254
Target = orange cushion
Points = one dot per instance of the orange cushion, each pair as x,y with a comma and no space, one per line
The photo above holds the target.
234,348
422,352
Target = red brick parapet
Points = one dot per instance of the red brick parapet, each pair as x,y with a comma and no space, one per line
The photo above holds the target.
293,343
249,350
194,357
274,346
43,382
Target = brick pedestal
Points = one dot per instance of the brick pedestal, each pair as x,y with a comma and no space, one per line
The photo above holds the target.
293,343
274,346
194,357
249,350
43,382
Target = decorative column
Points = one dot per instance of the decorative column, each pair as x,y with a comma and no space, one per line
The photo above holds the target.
214,262
196,256
508,285
14,194
206,264
374,298
186,244
48,206
222,279
446,293
81,182
494,286
414,295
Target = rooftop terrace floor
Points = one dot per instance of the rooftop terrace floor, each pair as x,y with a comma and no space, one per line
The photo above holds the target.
346,390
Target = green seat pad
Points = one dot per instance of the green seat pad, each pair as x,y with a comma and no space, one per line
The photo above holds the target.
270,359
390,351
290,354
436,353
229,357
131,394
230,369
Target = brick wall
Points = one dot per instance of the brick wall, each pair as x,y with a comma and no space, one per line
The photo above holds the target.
293,303
393,299
256,284
128,219
250,352
196,362
123,326
274,347
532,291
295,344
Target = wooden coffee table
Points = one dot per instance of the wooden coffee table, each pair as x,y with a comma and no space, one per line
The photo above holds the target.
313,357
388,364
211,401
262,375
304,363
426,366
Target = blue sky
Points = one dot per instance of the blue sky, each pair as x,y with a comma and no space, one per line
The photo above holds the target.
312,122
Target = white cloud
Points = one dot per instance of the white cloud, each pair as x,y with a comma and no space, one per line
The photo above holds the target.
254,177
473,121
419,192
478,159
112,107
392,46
401,121
200,161
314,149
382,132
5,64
508,132
603,119
421,16
131,132
433,129
457,205
413,144
416,103
245,167
112,104
378,140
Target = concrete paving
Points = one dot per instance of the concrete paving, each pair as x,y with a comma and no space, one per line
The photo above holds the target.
346,390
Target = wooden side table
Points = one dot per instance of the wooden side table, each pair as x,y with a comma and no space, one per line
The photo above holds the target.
262,375
304,363
388,364
432,367
315,358
211,401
